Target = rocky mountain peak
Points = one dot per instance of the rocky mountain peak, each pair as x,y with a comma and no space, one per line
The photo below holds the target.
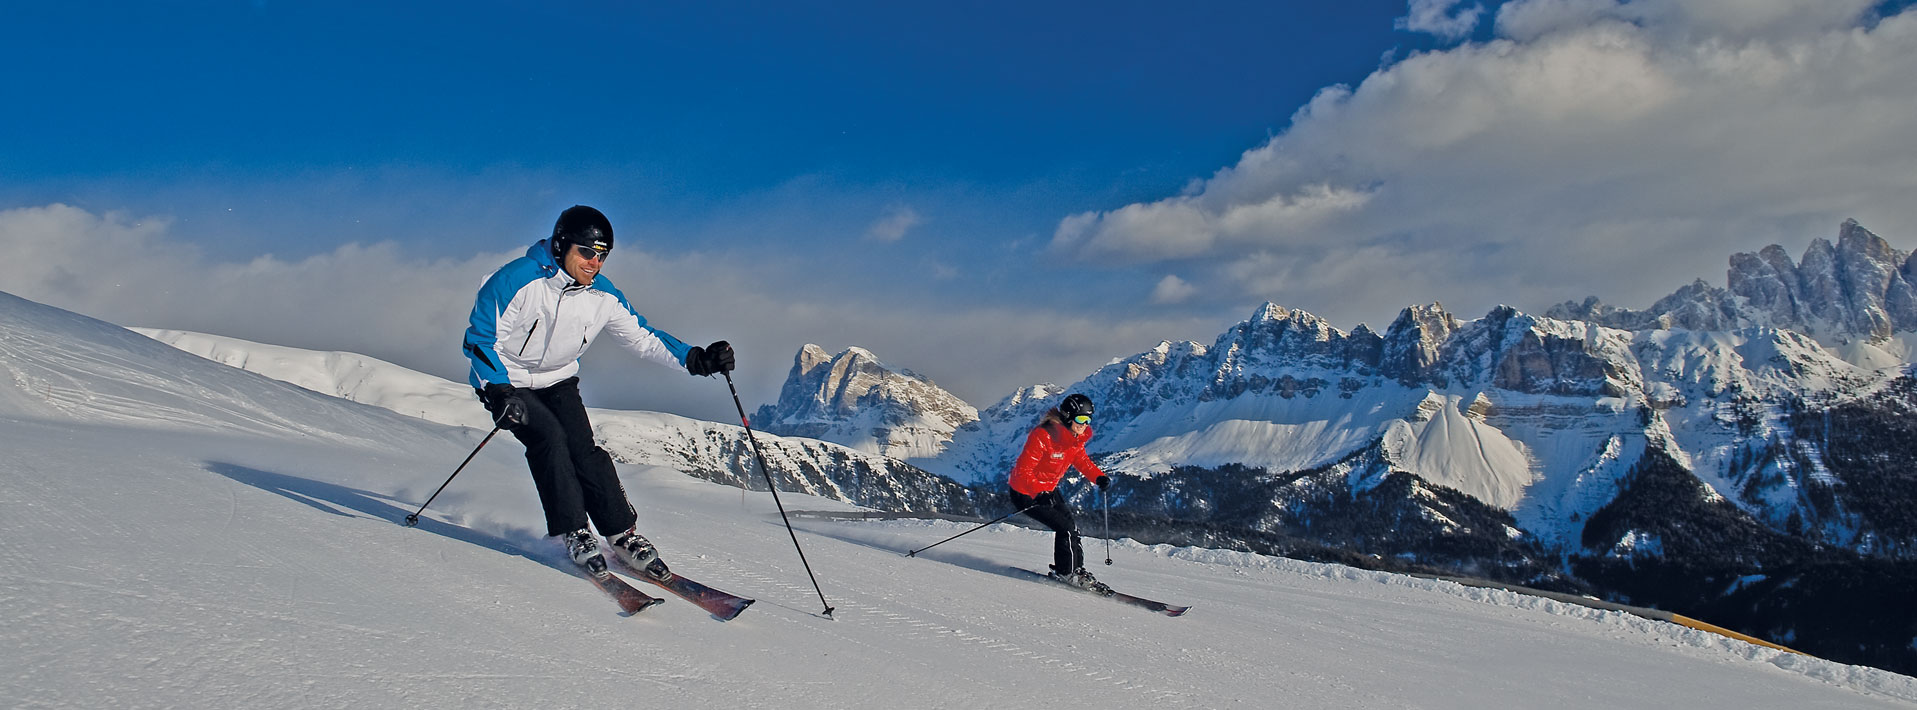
1412,344
1275,335
854,400
1858,289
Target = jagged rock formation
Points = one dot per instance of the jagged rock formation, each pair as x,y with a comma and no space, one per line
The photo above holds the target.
1860,289
853,399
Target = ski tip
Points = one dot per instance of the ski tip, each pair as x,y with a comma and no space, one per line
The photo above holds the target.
735,611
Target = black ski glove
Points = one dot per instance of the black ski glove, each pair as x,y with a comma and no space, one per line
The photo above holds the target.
709,360
1103,482
503,401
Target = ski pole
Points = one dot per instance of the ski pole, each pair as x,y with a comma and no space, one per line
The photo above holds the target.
767,471
981,526
1103,498
412,520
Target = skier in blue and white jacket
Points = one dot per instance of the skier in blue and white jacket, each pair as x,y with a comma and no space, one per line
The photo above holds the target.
533,319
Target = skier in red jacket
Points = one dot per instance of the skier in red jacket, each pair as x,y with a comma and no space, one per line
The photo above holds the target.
1058,443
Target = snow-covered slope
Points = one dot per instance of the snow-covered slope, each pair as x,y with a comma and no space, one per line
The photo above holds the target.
175,533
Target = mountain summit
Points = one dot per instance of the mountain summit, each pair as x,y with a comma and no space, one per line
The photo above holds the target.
854,400
1860,290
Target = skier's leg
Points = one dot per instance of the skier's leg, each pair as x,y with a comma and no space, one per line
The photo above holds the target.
1051,512
601,495
1068,536
551,467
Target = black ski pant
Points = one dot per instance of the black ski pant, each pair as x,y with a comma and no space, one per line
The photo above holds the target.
1049,509
575,478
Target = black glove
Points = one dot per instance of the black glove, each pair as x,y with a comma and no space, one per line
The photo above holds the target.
503,401
709,360
1103,482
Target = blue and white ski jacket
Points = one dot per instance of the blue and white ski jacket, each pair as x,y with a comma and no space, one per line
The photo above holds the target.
532,322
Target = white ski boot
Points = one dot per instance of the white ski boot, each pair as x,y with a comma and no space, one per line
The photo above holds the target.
583,547
635,550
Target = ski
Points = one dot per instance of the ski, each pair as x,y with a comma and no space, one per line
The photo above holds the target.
1121,597
631,600
715,602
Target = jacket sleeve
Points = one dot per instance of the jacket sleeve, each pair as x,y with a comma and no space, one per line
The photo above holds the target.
482,329
1083,462
647,342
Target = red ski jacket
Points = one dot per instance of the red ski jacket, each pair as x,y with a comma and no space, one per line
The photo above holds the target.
1049,450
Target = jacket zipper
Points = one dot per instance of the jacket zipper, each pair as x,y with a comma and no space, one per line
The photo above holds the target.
529,335
557,303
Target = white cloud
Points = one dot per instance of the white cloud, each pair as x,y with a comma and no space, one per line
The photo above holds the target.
377,300
894,224
1735,20
1172,289
1598,147
1442,18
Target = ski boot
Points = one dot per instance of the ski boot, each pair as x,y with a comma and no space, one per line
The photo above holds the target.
635,550
1084,580
584,550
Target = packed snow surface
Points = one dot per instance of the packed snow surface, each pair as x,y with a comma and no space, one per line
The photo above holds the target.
176,533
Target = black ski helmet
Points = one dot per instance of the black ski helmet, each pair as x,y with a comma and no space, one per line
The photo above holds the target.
581,225
1074,406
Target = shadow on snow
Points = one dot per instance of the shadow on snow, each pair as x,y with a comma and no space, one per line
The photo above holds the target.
343,501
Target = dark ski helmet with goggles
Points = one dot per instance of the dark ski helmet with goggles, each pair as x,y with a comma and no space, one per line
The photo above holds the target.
1074,407
582,226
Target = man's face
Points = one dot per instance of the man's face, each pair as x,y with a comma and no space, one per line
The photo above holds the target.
580,266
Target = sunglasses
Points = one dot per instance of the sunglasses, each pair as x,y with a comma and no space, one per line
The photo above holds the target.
1082,419
589,253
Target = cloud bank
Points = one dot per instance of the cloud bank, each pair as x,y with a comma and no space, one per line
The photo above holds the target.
377,300
1592,147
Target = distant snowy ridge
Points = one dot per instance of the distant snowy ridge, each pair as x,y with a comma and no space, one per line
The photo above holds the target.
710,450
341,374
1514,410
1540,416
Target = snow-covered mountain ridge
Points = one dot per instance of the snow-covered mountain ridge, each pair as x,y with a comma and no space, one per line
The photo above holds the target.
1540,416
1543,424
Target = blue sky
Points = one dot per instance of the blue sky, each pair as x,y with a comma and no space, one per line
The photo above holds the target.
666,113
992,194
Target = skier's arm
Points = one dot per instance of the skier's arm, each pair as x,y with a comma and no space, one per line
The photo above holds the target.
482,330
1083,462
647,342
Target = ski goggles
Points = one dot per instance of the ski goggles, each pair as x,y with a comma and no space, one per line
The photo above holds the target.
589,253
1082,419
